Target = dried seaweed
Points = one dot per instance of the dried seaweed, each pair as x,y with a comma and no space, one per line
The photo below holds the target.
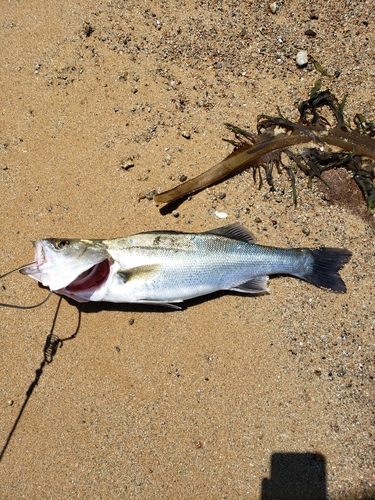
263,151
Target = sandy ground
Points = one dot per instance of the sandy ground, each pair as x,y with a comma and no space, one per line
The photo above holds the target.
234,396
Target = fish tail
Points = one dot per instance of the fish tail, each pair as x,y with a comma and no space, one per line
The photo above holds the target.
324,271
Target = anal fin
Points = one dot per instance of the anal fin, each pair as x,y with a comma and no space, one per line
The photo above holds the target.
255,285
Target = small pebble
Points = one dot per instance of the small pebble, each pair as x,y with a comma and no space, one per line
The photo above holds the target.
182,178
127,164
310,33
273,7
151,194
258,219
175,213
4,166
10,402
131,321
306,230
186,134
302,58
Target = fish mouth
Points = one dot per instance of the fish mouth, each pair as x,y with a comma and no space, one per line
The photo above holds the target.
40,254
40,259
91,279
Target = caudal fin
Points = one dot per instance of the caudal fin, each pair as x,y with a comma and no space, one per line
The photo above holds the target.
327,263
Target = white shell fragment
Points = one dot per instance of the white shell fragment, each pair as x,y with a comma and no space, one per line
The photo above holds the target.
221,215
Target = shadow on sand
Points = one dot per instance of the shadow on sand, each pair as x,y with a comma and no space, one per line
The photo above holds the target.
301,476
53,342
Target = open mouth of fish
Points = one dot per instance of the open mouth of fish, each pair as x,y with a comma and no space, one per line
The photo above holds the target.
62,279
93,278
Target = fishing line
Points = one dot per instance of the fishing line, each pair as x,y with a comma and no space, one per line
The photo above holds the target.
13,306
17,269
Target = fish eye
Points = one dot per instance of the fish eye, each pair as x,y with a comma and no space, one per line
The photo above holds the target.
60,244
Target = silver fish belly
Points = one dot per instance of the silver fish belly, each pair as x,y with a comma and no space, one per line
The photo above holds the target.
164,267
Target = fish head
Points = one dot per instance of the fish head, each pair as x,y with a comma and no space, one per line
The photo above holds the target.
69,264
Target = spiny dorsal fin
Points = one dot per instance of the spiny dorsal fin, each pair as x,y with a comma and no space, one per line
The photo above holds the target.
234,231
162,231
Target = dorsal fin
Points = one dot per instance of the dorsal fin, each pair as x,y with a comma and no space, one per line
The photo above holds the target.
234,231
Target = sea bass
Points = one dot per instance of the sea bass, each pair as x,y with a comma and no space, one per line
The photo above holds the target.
165,267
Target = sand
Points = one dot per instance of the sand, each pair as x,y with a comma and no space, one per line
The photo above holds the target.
234,396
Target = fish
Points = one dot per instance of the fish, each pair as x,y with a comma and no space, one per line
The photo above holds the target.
169,267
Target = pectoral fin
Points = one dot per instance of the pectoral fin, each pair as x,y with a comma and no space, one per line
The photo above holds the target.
145,272
140,272
255,285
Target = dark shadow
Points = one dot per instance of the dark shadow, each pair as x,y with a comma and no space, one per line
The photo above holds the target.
53,342
173,205
95,307
297,476
125,307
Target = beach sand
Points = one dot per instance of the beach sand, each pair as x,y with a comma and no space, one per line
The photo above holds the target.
234,396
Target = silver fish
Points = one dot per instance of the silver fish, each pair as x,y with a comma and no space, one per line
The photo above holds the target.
165,267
